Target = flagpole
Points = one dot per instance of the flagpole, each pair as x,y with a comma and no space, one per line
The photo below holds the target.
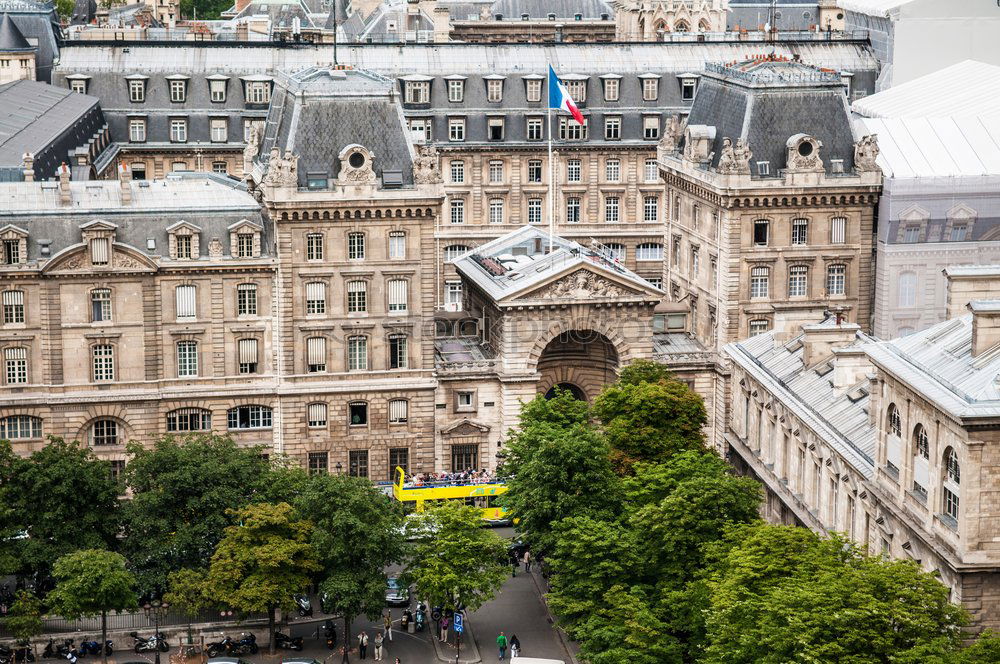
552,181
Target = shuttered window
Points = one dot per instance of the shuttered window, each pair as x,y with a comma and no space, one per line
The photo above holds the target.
13,306
187,358
397,294
99,251
838,230
357,297
316,354
316,297
316,415
100,304
247,356
186,302
16,365
398,411
246,300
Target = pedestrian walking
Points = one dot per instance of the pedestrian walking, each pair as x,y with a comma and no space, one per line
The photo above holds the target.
515,646
362,644
527,561
378,647
387,621
444,629
515,563
501,645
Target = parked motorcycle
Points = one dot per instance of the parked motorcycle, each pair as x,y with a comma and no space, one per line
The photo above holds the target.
304,605
330,633
156,642
218,647
64,650
287,642
23,652
246,645
94,648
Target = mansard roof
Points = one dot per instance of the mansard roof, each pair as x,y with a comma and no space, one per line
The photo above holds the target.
11,38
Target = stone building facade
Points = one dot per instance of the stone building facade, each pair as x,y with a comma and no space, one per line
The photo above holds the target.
770,223
651,20
885,441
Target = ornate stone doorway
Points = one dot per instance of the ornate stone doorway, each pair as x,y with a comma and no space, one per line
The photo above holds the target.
583,361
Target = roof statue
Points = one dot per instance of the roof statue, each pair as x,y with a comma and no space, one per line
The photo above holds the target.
252,149
672,134
282,171
582,285
735,159
425,166
865,153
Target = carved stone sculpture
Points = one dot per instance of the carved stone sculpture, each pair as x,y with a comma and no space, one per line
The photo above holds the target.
671,135
252,149
282,171
735,159
865,153
215,248
357,165
582,285
425,166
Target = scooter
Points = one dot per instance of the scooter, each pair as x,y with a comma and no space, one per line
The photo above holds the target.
330,633
23,652
304,604
287,642
421,618
64,650
156,642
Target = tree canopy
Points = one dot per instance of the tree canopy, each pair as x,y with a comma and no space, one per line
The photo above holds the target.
457,564
183,491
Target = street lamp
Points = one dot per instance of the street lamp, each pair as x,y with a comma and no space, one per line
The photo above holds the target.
155,608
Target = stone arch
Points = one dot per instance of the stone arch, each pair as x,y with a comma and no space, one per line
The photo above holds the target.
584,360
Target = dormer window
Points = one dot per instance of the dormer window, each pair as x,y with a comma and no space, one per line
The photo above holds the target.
15,245
650,88
456,91
258,92
178,90
689,86
137,90
11,252
611,89
577,89
417,92
184,241
100,253
494,90
78,83
217,90
533,89
244,239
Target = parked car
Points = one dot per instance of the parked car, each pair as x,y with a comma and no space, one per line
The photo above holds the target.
221,660
396,594
301,660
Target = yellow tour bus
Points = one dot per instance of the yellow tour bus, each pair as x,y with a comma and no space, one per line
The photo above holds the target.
481,495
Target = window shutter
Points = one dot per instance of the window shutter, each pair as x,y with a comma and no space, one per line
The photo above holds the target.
13,298
398,410
186,302
248,351
894,453
99,251
16,354
316,290
837,230
316,350
921,472
355,287
317,412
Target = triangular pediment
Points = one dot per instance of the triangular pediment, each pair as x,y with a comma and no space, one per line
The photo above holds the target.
588,284
465,427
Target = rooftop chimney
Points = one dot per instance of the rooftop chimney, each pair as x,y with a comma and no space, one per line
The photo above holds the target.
29,167
967,283
985,325
850,365
819,339
125,180
65,196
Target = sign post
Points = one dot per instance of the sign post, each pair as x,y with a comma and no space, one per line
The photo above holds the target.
459,626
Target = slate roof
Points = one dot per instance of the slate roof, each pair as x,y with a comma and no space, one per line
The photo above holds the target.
317,112
37,21
938,363
282,13
841,421
45,120
520,260
210,203
540,9
766,102
11,38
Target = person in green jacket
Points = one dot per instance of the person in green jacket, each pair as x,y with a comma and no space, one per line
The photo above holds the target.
501,645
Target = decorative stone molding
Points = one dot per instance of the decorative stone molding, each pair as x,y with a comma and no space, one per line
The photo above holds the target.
735,159
357,166
803,154
865,154
425,166
581,285
282,171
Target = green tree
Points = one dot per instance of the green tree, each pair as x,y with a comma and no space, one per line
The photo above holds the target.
628,629
24,619
204,10
182,492
823,600
643,371
12,519
985,650
458,563
187,595
92,582
356,534
263,561
64,8
650,421
589,557
64,499
652,482
557,472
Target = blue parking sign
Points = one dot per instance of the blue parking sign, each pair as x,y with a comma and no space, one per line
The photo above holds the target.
458,623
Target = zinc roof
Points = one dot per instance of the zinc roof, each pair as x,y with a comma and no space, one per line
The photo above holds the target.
938,362
967,88
872,7
840,421
33,114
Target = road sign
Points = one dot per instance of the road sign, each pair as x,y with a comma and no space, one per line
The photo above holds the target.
458,625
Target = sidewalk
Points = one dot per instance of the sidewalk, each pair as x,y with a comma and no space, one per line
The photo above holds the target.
447,652
541,585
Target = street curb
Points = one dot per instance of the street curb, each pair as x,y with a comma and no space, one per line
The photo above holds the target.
563,637
468,644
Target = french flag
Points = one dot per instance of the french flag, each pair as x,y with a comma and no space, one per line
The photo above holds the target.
559,98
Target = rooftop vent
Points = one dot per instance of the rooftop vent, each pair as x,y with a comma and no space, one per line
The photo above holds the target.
392,179
525,17
577,17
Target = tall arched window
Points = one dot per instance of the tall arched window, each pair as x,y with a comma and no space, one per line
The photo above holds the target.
893,444
895,425
950,486
921,456
15,427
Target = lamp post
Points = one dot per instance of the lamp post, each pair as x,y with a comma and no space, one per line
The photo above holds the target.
155,608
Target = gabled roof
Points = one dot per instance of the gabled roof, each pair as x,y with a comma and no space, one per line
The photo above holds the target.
938,362
520,262
967,88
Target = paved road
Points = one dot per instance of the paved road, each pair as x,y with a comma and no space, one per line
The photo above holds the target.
517,609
